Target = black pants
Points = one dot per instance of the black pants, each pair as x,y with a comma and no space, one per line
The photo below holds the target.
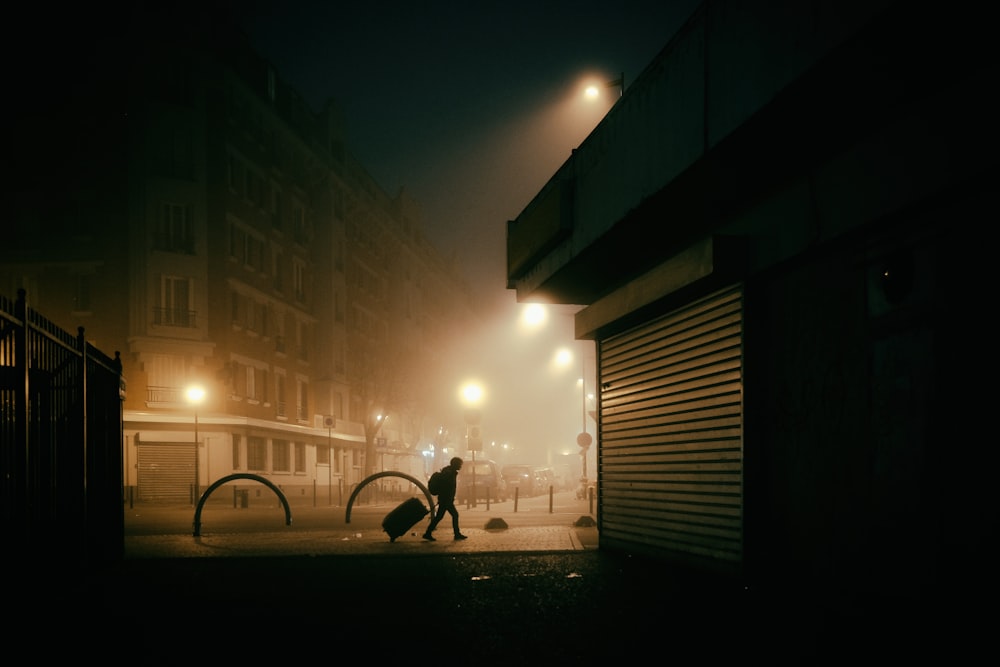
445,505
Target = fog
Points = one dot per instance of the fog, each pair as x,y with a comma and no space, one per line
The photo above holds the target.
532,408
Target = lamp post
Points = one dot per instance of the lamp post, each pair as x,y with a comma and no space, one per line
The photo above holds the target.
195,395
330,422
472,396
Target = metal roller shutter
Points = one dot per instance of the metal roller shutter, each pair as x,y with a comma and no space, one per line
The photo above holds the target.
166,472
671,427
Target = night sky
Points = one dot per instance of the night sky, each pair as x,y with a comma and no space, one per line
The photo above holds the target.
464,105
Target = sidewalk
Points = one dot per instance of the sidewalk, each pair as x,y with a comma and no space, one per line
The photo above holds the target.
154,531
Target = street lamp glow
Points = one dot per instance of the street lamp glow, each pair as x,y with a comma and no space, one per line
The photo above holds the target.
533,315
195,394
472,393
564,357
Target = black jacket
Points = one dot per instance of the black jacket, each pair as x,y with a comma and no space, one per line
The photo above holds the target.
449,484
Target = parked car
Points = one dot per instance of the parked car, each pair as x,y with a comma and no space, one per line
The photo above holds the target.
520,479
489,483
545,479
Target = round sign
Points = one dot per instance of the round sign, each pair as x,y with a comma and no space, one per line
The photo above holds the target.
584,439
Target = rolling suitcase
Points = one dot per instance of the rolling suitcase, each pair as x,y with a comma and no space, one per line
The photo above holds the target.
401,519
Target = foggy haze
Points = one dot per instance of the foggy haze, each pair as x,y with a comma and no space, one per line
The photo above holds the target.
531,403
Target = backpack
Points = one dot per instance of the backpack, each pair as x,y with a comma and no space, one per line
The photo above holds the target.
435,482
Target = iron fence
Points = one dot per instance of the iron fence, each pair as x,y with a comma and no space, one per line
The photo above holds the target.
60,441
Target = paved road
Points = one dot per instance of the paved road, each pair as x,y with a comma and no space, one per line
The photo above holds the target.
252,588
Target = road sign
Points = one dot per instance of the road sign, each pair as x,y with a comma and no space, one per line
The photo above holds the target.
474,439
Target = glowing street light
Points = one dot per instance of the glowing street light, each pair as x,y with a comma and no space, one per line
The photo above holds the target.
593,91
472,394
195,394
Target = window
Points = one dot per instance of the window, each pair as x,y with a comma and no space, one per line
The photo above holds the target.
237,370
338,404
251,382
279,456
322,455
175,302
300,457
301,399
256,453
299,280
246,248
300,230
279,395
175,229
237,242
236,451
251,315
274,206
277,268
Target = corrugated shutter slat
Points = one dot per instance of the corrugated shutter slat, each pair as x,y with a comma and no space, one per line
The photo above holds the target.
671,432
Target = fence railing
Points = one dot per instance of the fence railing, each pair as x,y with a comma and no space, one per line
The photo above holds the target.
60,441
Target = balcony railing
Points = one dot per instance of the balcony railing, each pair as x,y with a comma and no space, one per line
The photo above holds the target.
156,394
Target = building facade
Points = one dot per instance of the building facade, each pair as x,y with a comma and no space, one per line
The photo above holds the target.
779,371
221,234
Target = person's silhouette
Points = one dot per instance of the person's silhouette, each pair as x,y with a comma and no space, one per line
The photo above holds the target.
446,499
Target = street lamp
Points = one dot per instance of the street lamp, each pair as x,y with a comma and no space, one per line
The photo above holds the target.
195,395
472,395
593,91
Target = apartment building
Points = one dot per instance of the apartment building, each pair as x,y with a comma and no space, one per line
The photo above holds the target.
219,233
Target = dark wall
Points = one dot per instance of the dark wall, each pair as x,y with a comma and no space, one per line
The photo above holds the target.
864,468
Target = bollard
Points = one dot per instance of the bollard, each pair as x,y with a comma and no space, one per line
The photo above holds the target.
516,492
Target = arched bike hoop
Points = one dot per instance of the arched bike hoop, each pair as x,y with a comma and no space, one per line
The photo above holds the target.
388,473
229,478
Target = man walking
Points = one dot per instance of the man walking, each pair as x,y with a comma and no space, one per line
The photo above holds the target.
446,499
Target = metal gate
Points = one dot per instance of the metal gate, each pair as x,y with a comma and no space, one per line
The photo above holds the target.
165,472
671,433
60,440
